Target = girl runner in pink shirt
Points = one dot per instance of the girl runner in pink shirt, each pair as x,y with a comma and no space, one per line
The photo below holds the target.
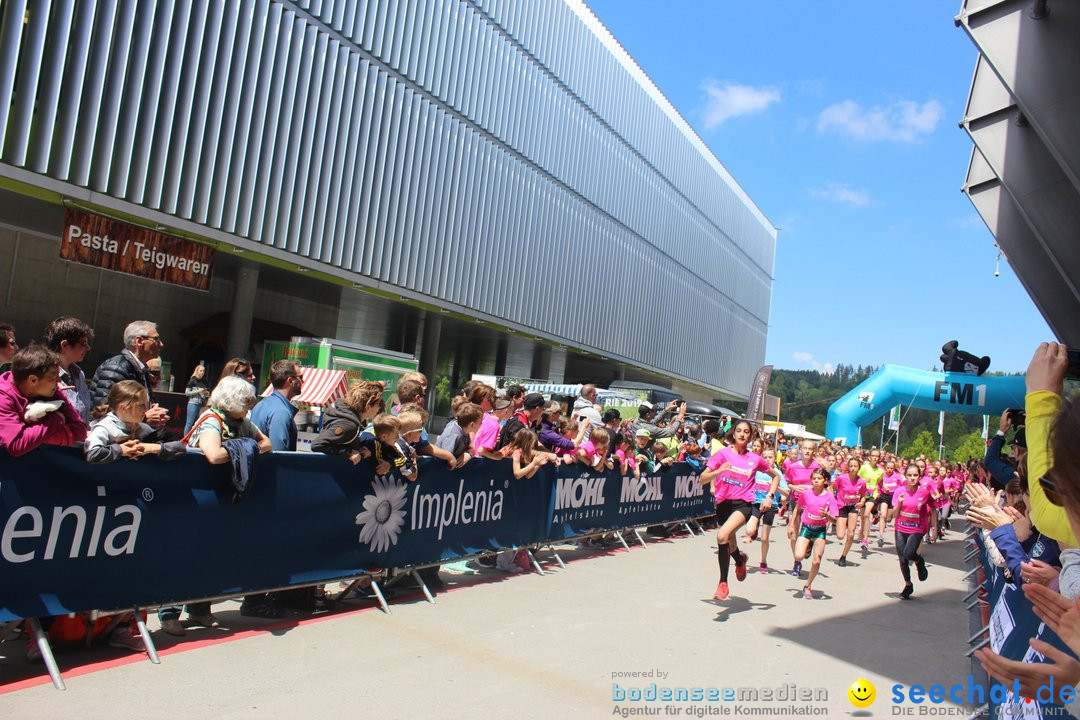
850,496
818,508
733,468
890,481
911,510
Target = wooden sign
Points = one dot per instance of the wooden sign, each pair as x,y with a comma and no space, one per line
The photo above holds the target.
114,245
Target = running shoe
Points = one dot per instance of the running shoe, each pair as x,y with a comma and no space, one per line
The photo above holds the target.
906,592
740,566
920,567
721,592
763,569
842,562
796,569
881,542
865,544
807,595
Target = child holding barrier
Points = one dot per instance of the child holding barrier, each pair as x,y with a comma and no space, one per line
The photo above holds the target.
523,453
119,432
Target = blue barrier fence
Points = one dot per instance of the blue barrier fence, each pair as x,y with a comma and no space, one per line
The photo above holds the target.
77,537
1012,624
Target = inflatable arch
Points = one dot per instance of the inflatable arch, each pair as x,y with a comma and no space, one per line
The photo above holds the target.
894,385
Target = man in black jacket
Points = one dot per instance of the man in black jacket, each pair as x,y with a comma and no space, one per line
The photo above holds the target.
142,343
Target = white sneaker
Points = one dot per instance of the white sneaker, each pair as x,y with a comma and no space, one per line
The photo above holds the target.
121,637
173,627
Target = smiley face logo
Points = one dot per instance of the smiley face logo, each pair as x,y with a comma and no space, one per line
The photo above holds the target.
862,693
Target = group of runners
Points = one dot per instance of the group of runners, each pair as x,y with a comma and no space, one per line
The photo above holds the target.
814,488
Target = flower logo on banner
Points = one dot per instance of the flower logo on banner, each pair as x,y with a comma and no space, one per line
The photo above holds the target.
383,516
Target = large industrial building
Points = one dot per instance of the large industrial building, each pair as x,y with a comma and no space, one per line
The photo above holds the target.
492,186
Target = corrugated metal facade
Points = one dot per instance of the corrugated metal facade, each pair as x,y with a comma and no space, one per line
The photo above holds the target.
504,156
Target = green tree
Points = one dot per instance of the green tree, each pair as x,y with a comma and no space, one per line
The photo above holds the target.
971,447
923,444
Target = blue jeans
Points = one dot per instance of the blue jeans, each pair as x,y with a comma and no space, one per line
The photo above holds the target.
192,414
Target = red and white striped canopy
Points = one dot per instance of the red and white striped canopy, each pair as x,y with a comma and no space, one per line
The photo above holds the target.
321,387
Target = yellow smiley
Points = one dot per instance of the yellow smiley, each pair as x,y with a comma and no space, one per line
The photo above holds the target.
861,693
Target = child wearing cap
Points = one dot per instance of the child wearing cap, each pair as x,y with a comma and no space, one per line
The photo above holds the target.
643,451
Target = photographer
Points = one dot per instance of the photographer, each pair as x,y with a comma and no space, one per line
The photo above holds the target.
646,414
1002,470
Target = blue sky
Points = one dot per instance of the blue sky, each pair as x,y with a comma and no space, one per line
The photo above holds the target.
840,120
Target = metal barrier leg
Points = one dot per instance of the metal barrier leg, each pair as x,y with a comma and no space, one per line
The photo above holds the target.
378,594
423,586
622,540
535,563
973,571
689,530
701,530
971,594
557,558
977,635
47,654
148,643
637,533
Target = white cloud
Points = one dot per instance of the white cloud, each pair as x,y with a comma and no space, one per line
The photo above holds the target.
840,193
726,100
902,121
806,358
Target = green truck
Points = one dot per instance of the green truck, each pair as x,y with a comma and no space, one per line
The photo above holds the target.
360,362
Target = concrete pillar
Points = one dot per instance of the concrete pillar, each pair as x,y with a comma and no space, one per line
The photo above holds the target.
557,365
427,350
541,362
501,351
242,312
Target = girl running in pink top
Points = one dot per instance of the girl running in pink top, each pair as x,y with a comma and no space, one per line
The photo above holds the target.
851,497
912,505
733,468
818,509
891,481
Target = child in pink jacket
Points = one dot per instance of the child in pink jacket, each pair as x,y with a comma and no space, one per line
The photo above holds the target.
33,411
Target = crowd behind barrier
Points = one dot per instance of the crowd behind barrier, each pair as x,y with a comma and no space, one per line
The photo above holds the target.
79,537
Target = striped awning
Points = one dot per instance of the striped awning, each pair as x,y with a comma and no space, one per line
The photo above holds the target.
321,387
553,389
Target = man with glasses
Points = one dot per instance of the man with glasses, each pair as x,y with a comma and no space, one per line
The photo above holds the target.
274,414
142,343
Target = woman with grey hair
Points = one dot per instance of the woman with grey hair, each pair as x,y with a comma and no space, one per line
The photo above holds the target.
225,418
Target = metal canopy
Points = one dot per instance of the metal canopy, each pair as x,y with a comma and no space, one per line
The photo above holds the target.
1024,173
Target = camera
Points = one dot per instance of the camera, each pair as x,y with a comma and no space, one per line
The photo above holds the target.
1073,371
1017,417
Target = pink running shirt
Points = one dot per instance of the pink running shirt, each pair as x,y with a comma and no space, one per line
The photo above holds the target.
914,515
815,506
737,482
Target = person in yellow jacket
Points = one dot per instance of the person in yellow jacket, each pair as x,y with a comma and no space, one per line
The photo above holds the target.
1045,382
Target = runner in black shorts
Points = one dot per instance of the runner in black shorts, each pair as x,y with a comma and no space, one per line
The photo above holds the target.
890,482
731,470
850,495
